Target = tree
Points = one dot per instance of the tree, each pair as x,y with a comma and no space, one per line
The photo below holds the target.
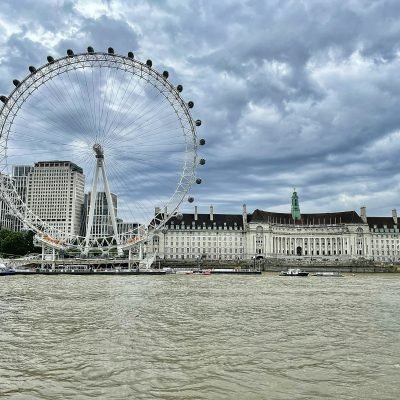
16,243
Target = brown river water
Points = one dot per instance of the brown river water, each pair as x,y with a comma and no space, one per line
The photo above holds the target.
200,337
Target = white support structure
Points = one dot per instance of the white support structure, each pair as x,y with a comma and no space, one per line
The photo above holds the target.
100,166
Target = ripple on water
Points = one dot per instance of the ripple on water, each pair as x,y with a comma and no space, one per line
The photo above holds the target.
189,337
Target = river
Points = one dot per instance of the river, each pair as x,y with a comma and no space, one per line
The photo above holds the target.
200,337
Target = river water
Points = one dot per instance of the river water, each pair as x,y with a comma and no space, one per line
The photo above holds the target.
200,337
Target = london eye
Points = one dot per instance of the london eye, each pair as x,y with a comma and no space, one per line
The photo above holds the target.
119,120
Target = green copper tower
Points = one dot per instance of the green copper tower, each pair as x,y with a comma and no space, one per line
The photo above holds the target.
295,206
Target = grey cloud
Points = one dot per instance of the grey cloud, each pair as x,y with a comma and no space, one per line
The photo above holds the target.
282,98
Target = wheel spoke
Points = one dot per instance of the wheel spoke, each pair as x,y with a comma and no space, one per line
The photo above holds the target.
141,123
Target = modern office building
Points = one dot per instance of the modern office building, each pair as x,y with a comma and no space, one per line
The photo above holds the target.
7,220
19,179
55,193
102,225
20,175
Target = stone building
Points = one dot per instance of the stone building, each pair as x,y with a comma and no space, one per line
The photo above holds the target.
383,239
263,234
207,236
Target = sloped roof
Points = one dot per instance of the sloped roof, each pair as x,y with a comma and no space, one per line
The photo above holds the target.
344,217
380,222
204,220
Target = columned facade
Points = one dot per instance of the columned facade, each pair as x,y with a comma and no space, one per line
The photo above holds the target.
261,234
345,236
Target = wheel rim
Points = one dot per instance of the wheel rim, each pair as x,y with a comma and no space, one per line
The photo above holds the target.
109,82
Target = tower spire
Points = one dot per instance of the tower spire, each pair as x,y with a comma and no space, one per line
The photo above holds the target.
295,206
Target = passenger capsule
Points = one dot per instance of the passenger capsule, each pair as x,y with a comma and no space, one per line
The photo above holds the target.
131,55
70,53
165,74
202,161
110,50
32,69
202,142
3,99
179,216
198,122
190,199
16,82
190,104
198,181
90,50
149,63
50,59
179,88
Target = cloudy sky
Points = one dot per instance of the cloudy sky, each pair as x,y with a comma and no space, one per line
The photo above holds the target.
302,93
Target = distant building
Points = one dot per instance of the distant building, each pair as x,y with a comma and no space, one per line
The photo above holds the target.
7,220
208,236
263,234
102,225
55,193
383,238
19,179
127,228
340,234
20,175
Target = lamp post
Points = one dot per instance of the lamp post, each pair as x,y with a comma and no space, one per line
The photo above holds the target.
254,262
198,262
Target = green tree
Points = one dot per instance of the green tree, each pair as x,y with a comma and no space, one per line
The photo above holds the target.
16,243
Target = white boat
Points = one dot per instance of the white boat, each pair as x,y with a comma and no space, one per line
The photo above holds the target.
294,272
4,270
328,273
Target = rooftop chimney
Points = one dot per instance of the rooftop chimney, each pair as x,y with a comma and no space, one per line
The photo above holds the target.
157,210
364,214
394,215
244,213
211,213
195,213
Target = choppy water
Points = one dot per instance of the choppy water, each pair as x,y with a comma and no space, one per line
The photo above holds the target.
200,337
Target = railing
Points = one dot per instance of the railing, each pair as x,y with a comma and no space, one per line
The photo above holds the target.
148,261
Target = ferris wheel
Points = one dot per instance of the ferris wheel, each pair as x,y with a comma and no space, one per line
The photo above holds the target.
125,131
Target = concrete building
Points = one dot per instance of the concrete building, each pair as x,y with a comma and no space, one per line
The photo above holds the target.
20,176
55,193
102,225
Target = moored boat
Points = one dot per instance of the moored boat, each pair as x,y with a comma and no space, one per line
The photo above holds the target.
294,272
203,272
328,273
4,270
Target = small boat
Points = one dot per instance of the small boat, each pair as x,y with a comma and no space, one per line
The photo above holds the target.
328,273
4,270
294,272
202,272
168,270
199,272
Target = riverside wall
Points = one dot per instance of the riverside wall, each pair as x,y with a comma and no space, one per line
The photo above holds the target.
277,265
